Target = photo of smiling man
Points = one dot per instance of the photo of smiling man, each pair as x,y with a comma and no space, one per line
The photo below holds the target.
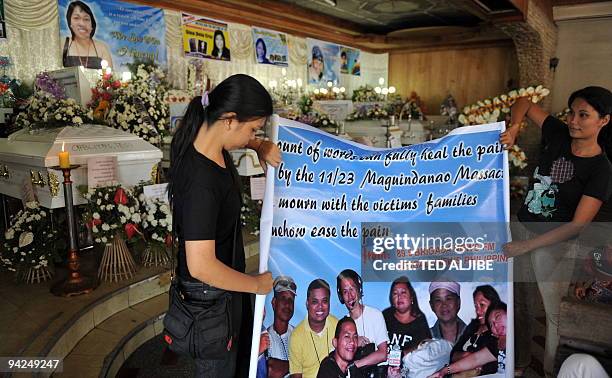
311,340
339,363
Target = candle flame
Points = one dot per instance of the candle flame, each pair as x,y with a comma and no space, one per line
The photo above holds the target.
63,146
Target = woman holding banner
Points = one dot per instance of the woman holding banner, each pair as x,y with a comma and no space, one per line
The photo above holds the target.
573,179
80,49
205,195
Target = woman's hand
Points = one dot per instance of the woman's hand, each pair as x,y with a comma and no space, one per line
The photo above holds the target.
267,152
517,248
508,137
264,283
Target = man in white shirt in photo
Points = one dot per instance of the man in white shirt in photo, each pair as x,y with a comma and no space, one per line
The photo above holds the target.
371,326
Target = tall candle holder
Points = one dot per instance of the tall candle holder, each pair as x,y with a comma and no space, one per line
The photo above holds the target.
76,283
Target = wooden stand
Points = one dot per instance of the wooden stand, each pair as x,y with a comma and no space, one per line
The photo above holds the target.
76,283
117,262
155,254
35,275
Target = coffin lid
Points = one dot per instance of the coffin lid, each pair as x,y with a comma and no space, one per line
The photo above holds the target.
41,147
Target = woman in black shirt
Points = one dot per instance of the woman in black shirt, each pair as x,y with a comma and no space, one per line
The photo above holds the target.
573,179
477,335
205,195
406,323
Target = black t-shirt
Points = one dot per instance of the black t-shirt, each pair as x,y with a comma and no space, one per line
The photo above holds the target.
330,369
407,336
561,179
471,342
500,354
207,207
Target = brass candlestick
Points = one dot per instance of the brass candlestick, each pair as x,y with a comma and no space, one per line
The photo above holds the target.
76,283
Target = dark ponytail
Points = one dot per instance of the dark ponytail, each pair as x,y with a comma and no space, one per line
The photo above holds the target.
240,94
601,100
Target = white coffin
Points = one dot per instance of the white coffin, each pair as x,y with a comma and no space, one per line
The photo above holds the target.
413,132
23,153
373,130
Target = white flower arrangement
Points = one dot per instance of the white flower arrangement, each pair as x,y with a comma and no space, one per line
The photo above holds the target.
46,111
250,214
140,107
366,93
157,220
517,157
112,211
368,112
29,241
494,110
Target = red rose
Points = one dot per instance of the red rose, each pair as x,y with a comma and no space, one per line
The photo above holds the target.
116,84
168,240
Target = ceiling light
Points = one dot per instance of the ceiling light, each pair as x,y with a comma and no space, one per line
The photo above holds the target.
333,3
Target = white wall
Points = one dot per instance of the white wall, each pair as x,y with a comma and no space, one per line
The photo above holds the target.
584,49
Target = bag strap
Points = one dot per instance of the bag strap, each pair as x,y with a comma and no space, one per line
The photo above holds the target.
174,241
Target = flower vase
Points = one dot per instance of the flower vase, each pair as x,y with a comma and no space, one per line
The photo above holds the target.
117,262
34,275
155,254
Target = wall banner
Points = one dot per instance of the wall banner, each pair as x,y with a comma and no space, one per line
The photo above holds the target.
323,62
435,213
270,47
117,32
203,38
349,61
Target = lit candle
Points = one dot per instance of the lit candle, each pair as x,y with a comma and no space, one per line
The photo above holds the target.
64,158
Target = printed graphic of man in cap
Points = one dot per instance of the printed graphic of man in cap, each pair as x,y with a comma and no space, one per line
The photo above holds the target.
285,291
445,302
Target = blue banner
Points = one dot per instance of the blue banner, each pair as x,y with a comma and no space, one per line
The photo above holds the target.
110,30
340,205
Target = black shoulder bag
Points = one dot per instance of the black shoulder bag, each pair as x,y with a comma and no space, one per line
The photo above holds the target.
201,329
